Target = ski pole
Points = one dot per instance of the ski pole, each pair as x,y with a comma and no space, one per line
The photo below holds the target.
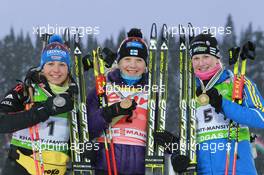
102,71
237,95
34,137
100,82
235,54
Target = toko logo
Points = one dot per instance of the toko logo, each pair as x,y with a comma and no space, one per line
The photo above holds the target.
52,171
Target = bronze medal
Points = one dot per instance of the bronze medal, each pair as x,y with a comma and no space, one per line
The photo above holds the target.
126,103
203,99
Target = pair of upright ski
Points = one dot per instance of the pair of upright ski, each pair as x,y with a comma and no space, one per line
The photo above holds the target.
187,104
157,101
79,125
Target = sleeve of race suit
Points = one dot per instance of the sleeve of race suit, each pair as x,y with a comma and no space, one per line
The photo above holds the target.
251,112
11,122
96,122
12,114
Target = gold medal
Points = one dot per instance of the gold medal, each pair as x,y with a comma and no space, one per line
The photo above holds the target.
203,99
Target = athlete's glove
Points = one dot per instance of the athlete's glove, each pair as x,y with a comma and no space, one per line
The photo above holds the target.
90,151
215,99
34,76
107,54
165,139
179,162
124,107
15,99
52,106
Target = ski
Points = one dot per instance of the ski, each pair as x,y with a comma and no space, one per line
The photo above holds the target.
187,106
150,161
163,91
157,101
191,108
79,125
183,91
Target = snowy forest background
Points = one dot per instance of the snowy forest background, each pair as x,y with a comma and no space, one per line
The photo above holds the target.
18,53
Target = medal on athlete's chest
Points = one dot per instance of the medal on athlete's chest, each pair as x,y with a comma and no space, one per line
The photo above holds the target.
203,99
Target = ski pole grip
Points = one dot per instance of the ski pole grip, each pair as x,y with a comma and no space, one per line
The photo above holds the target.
233,55
99,84
248,51
238,88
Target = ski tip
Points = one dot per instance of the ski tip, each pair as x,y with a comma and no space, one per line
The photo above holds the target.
190,24
165,32
153,32
181,31
66,37
191,31
77,37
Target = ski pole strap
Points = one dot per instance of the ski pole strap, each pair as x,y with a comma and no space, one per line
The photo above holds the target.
243,135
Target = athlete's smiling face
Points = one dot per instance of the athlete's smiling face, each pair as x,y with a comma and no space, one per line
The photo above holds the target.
132,66
56,72
204,62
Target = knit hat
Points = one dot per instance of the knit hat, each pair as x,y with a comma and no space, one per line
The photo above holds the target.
55,51
133,45
204,43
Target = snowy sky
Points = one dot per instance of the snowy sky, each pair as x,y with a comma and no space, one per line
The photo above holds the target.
106,17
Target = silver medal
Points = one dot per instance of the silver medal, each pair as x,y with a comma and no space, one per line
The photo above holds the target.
59,101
